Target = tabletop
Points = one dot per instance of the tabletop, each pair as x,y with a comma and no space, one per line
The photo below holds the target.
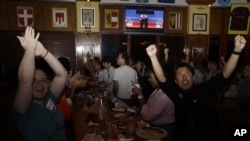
85,123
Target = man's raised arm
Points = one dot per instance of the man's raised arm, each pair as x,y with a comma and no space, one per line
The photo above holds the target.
239,44
151,51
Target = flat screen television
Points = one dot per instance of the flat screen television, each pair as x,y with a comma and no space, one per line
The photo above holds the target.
144,19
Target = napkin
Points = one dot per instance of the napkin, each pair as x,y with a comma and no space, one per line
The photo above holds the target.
91,123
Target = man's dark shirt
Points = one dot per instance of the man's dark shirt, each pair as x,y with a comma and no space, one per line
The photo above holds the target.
193,108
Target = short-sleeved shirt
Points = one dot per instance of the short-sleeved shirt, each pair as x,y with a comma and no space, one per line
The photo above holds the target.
193,108
40,123
108,76
124,75
160,113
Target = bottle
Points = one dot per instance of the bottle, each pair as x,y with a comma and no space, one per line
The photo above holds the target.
100,110
109,101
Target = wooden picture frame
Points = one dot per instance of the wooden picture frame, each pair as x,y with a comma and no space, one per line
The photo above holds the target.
199,22
88,17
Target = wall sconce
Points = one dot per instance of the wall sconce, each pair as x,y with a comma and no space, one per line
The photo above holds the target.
144,43
87,3
124,43
87,28
163,44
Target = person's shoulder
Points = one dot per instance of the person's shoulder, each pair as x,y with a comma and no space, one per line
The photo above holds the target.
112,69
117,69
102,71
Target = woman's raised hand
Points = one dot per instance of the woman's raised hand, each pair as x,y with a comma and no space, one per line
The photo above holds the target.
29,40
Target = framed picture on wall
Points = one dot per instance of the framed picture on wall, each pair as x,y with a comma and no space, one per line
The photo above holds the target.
197,52
111,18
89,49
199,22
175,20
239,19
88,17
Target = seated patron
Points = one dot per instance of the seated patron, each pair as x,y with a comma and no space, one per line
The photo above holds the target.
159,108
108,73
35,112
124,76
96,73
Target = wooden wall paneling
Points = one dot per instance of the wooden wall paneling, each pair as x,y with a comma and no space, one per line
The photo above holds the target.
86,43
113,44
139,43
216,18
225,22
71,16
11,51
3,15
198,41
60,44
184,24
176,44
120,8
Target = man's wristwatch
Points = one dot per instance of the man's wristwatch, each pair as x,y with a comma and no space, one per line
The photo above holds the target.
236,52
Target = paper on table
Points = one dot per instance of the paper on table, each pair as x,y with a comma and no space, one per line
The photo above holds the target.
121,104
91,123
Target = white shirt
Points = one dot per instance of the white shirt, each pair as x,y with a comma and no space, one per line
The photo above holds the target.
124,75
108,76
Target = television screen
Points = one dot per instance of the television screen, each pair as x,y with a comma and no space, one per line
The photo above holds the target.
144,19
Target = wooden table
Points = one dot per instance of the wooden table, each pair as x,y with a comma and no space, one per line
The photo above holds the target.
81,119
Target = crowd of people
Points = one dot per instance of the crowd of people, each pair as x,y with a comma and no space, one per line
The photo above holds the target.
176,97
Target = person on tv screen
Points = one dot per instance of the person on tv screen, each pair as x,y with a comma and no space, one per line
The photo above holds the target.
144,21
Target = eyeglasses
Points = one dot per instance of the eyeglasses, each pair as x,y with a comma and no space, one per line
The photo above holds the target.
42,81
186,74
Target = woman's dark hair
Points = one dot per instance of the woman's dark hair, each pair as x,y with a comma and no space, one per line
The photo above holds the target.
65,62
125,56
42,65
107,59
98,62
151,70
189,67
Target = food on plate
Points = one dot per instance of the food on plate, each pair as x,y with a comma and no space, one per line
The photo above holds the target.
120,124
151,133
119,109
93,137
120,115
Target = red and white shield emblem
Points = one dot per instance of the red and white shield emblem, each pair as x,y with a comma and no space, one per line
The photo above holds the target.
111,18
114,19
25,16
59,17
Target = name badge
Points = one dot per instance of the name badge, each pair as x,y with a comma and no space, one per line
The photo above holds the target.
51,105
